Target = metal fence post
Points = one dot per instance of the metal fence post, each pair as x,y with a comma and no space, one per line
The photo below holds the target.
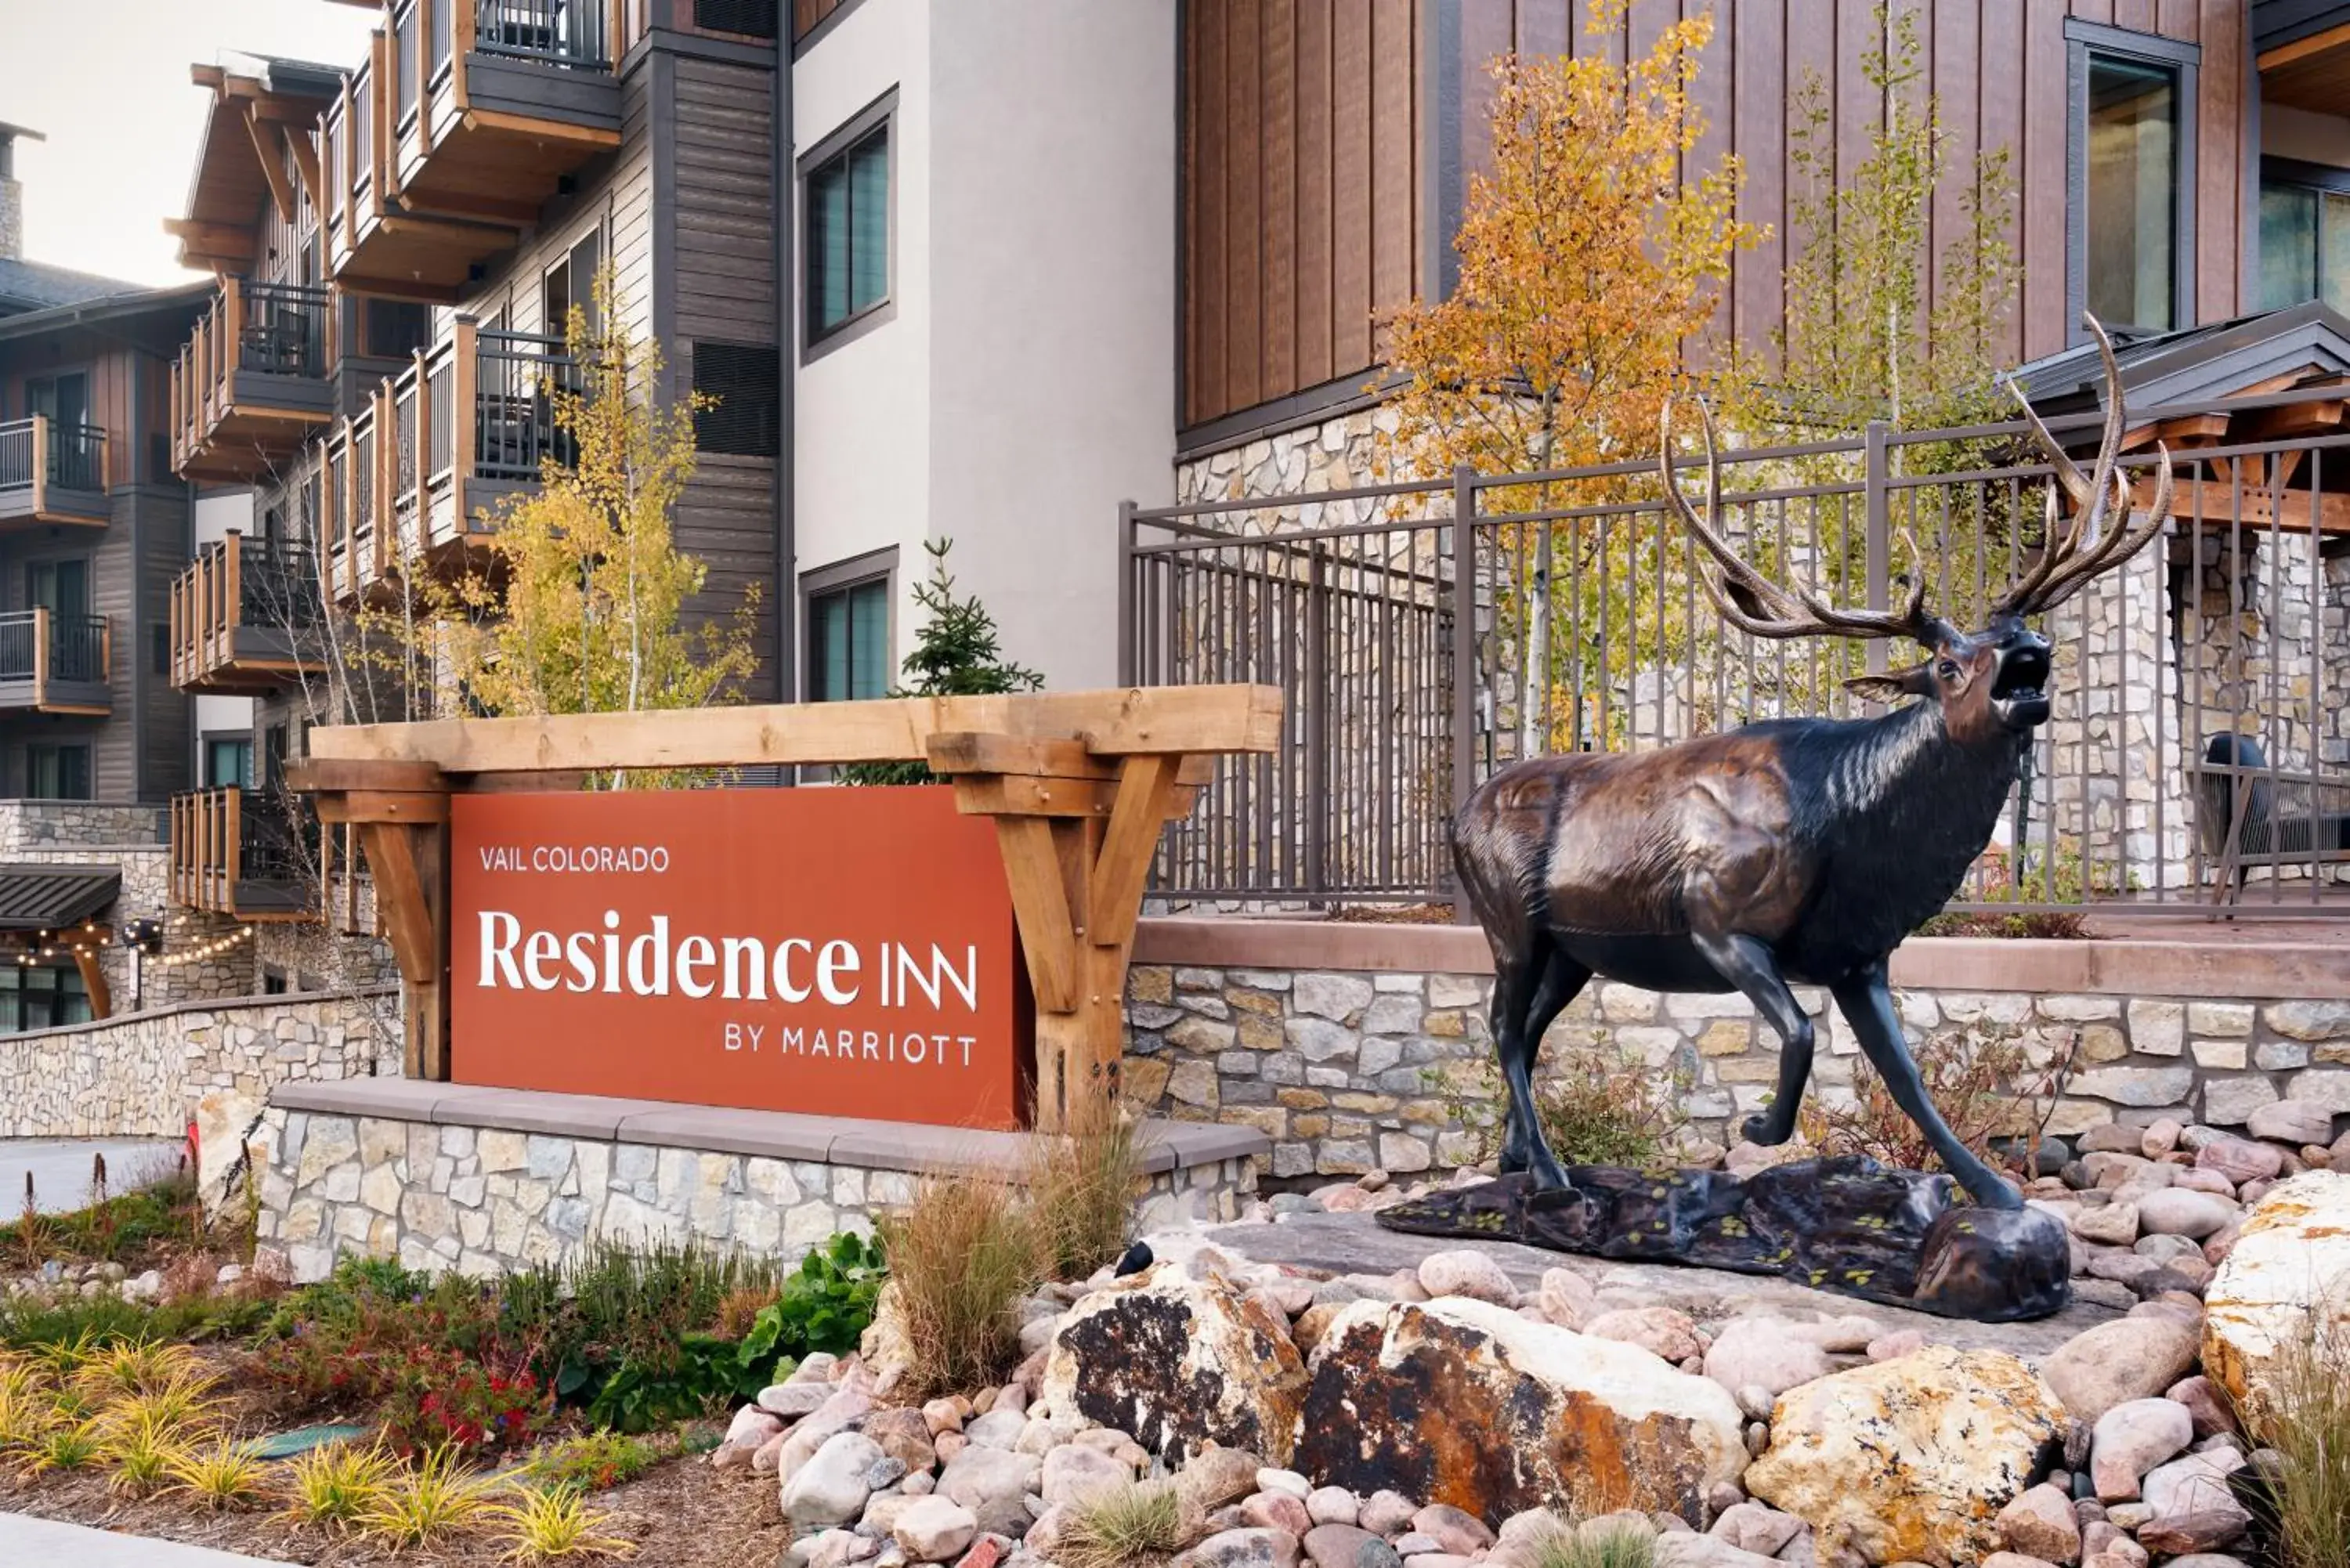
1127,659
1877,499
1463,535
1314,693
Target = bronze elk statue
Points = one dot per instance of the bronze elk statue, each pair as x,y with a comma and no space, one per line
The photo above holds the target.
1797,850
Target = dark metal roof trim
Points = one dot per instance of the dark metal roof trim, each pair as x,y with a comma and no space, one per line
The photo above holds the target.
50,897
105,307
2196,362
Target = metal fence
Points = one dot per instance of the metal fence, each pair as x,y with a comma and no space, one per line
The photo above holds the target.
2199,750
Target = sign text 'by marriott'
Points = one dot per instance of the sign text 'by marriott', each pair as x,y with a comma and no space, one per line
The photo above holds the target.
839,951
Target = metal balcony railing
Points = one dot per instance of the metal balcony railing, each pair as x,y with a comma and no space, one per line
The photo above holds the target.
246,853
251,330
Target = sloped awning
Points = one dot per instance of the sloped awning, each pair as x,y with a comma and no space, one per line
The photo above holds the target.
51,897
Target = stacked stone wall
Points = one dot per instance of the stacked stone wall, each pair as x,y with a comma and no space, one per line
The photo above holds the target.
1348,1070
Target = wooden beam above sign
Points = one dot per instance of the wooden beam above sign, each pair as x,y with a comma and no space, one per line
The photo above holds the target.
1159,719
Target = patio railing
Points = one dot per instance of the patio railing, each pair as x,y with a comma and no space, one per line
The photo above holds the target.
1427,633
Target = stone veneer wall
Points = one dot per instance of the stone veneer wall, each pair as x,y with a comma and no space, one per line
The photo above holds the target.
482,1199
1351,1069
141,1074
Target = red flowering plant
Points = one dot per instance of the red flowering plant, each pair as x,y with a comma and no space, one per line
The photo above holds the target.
439,1399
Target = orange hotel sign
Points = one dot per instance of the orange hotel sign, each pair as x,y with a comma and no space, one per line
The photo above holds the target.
837,951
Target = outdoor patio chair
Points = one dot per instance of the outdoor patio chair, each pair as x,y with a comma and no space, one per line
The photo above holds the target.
2248,816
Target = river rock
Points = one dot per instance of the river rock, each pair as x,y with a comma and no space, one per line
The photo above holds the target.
2241,1160
1387,1512
1752,1527
2128,1358
2206,1405
1454,1530
1658,1330
832,1487
2178,1211
995,1484
933,1529
1337,1545
2288,1272
1178,1363
1243,1549
1466,1403
1277,1511
1333,1505
1465,1272
1074,1472
1764,1353
2108,1224
2296,1121
1216,1476
2041,1522
1912,1458
2131,1439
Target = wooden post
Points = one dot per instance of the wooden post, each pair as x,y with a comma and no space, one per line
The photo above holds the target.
425,74
40,655
379,123
40,464
460,49
93,980
464,358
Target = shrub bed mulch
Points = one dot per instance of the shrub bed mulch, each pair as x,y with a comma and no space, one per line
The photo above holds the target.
680,1513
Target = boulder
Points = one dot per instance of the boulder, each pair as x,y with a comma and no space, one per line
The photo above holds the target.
1465,1403
2128,1358
790,1401
1912,1458
2206,1407
933,1529
2041,1524
1243,1549
1687,1550
1658,1330
1178,1363
2131,1439
751,1430
2287,1275
1764,1353
1465,1272
2191,1506
995,1484
831,1488
226,1123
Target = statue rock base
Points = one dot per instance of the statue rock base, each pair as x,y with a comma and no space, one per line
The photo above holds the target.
1846,1224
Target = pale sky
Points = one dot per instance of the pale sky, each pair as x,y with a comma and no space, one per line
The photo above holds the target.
108,81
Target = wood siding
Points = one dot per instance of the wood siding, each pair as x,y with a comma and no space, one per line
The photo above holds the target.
725,201
1300,145
1300,148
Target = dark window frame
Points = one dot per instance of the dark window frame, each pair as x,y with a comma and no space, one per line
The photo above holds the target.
213,738
562,262
62,749
2083,42
814,342
874,565
2318,179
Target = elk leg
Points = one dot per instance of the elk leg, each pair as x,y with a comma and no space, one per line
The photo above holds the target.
1867,1002
1523,1010
1747,963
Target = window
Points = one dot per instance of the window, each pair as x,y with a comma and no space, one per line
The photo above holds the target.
572,281
849,641
61,588
228,761
37,996
273,980
2304,234
744,417
2130,218
56,771
847,186
158,644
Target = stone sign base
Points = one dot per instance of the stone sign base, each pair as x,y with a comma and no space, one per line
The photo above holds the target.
450,1177
1847,1224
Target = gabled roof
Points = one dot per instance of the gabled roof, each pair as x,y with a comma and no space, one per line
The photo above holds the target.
38,286
260,104
180,300
2268,352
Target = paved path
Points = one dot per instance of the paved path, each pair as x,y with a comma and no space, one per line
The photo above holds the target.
61,1168
30,1542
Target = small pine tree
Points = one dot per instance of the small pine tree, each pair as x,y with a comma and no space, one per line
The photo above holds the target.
956,654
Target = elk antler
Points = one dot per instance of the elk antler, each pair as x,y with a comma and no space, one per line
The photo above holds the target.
1752,602
2087,547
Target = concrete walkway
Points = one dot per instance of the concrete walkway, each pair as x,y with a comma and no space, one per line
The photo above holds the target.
61,1168
30,1542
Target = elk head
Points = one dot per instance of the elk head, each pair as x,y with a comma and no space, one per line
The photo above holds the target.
1991,682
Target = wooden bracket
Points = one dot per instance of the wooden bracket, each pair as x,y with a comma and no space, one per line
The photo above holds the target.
401,810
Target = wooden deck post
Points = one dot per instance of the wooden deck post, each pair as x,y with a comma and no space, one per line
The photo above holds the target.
40,464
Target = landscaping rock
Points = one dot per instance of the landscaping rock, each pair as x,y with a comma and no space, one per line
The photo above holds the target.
1243,1549
2196,1484
2190,1533
2288,1271
905,1436
938,1415
1909,1458
1386,1513
1660,1331
1465,1272
2241,1160
1178,1364
1691,1551
2041,1524
1333,1505
1073,1473
1000,1429
1269,1479
2128,1358
751,1430
995,1484
2206,1407
1337,1546
2178,1211
1453,1529
1766,1354
2131,1439
2296,1121
1277,1511
790,1401
1467,1401
1216,1476
2108,1224
832,1487
933,1529
1752,1527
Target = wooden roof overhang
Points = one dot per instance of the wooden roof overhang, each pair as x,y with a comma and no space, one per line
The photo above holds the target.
241,165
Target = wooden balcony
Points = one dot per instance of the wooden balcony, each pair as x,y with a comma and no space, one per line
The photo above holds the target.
52,663
248,617
52,474
464,118
247,854
251,386
409,482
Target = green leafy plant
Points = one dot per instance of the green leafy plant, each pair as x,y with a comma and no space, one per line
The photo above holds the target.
441,1399
1596,1106
67,1447
1979,1076
960,1257
592,1461
1121,1526
824,1305
142,1450
161,1208
958,653
545,1524
42,1325
338,1484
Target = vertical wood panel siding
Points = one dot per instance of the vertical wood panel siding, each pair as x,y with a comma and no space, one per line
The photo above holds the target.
725,201
1300,166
